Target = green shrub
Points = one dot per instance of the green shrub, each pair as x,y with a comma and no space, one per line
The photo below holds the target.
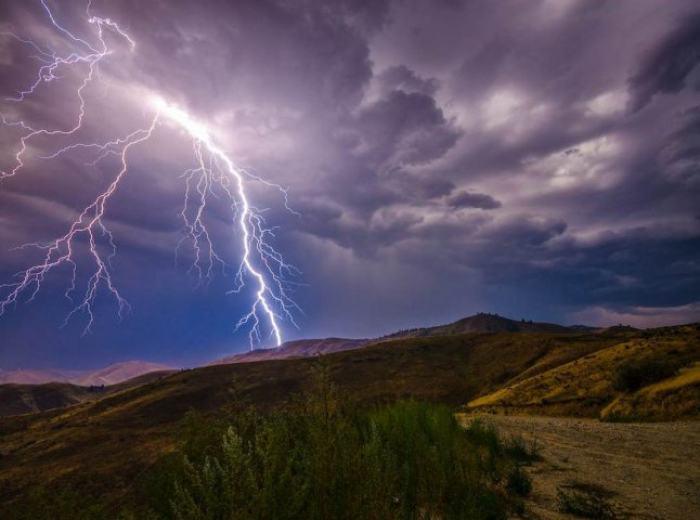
630,377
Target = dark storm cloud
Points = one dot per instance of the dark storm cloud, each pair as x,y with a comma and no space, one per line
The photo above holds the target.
681,154
426,145
545,80
666,69
466,199
419,188
619,272
403,129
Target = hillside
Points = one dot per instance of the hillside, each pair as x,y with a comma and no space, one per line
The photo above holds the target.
109,375
18,399
297,348
598,385
23,399
120,372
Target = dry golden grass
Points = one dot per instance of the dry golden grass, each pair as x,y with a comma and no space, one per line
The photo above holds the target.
585,387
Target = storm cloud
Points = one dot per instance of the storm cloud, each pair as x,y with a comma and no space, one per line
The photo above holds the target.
535,159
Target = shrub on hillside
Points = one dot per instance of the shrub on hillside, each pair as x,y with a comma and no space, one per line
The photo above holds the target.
630,377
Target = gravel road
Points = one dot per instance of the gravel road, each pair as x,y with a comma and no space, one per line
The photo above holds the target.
652,469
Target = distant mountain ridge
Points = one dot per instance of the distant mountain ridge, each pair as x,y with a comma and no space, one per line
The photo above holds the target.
478,323
110,375
485,322
293,349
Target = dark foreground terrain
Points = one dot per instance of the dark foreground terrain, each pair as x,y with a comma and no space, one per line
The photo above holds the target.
105,447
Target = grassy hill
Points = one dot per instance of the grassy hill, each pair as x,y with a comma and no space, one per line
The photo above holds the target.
103,447
652,375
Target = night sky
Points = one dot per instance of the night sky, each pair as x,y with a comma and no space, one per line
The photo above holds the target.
538,159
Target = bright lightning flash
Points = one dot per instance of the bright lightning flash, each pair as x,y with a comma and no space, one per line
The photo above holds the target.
260,263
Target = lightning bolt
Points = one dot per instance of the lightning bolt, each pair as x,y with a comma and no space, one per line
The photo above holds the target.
260,263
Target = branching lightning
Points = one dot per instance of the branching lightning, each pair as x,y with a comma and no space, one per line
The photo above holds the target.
260,263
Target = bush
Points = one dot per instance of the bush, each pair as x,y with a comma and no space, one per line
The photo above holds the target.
519,450
630,377
324,459
519,482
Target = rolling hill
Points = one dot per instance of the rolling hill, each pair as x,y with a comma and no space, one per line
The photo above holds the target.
23,399
16,399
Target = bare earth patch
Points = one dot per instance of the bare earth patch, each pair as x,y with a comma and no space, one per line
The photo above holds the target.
651,470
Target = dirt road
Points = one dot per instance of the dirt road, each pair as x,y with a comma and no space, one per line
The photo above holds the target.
653,470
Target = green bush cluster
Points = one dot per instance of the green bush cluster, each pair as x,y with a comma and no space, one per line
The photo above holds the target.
329,461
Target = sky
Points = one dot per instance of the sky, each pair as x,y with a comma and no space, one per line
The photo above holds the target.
538,159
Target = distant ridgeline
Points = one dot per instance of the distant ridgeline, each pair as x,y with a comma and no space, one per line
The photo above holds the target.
487,322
